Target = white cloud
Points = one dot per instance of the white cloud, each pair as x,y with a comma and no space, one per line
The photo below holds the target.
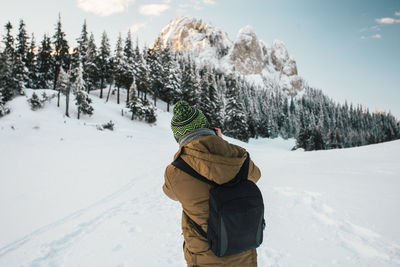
387,21
397,13
375,28
136,27
195,4
375,36
209,2
372,28
153,9
104,7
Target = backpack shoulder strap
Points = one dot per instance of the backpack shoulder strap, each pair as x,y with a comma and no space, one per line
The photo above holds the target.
244,170
182,165
242,174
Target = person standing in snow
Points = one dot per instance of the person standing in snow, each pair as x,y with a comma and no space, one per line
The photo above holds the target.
214,158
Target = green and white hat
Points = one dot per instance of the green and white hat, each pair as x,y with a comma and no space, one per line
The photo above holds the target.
186,119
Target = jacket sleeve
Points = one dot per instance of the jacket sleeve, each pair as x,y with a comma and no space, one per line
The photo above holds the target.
167,187
254,172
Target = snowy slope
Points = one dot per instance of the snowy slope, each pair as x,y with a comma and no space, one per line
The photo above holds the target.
71,195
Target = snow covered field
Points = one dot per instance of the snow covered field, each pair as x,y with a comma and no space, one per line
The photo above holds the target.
72,195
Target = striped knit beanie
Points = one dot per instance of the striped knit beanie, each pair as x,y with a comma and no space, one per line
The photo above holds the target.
186,119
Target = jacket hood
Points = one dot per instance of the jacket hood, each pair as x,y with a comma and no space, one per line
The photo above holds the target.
213,158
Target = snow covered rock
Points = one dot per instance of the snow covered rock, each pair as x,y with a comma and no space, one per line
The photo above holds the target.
189,34
248,56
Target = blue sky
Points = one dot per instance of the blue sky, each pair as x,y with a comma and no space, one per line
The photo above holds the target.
349,49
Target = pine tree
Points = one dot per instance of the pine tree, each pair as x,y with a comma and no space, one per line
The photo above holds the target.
92,71
210,102
138,60
316,141
82,99
204,103
20,71
142,77
149,111
235,121
156,73
78,84
22,41
216,104
44,64
30,63
19,74
104,63
292,119
188,83
7,80
83,102
131,69
284,118
196,84
119,66
61,51
140,108
83,43
303,137
135,104
273,114
75,62
67,93
63,84
171,77
3,69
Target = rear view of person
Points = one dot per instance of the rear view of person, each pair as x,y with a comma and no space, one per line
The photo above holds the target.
219,162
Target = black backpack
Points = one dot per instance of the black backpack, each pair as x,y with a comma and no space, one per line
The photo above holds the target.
236,220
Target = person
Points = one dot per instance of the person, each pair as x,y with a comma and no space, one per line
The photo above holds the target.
204,149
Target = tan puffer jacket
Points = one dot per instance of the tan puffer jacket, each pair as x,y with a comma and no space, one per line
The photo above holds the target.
219,161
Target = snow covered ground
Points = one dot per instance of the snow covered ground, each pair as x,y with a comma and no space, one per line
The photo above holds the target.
72,195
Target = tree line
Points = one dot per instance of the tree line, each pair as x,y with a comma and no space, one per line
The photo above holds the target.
242,109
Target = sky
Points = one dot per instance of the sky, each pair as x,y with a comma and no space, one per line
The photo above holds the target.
348,49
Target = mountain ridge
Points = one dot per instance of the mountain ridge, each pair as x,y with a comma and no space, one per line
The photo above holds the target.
247,55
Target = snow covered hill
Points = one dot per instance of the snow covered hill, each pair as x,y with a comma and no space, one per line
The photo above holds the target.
259,63
72,195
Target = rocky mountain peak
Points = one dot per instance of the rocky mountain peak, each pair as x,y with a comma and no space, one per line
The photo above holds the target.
247,55
190,34
281,60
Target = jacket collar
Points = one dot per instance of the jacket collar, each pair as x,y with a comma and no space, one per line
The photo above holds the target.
194,135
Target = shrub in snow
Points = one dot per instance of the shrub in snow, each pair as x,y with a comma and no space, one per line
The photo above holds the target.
3,110
136,107
47,98
109,126
83,102
149,111
35,102
141,109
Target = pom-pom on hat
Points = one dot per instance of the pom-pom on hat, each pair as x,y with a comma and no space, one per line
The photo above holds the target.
186,119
